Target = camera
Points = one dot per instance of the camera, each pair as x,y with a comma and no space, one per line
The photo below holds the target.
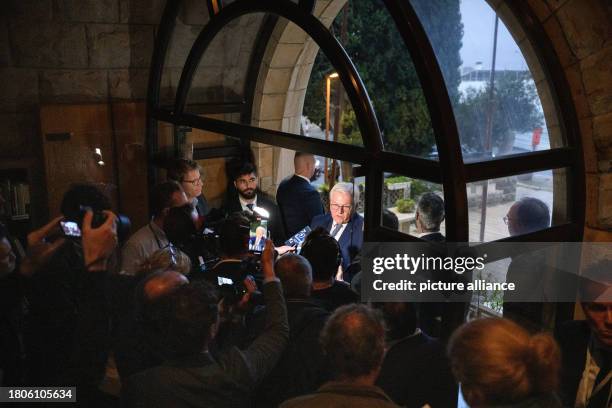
72,225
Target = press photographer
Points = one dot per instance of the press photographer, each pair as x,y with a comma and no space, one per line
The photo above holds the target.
66,332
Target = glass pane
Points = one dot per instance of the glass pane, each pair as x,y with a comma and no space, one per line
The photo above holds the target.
495,97
221,73
538,196
400,197
367,31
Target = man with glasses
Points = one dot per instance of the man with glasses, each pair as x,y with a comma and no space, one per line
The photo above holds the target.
188,174
248,197
342,222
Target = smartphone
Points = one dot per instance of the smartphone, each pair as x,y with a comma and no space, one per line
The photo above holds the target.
70,229
258,235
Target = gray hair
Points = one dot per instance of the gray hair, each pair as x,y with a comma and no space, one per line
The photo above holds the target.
346,188
431,211
295,273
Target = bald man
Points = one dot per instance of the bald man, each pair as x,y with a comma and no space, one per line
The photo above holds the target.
298,200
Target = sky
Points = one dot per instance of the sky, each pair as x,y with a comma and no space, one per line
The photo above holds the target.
478,24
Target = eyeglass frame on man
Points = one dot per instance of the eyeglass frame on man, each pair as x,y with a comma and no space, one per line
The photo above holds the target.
337,207
194,182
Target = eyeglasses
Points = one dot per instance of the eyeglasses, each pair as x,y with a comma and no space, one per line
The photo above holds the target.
194,182
338,207
506,219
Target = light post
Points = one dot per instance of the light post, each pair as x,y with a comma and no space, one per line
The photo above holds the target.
328,79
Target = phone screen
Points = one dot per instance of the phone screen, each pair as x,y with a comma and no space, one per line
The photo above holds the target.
70,228
224,281
257,235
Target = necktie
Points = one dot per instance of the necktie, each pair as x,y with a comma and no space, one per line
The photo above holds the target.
250,207
335,230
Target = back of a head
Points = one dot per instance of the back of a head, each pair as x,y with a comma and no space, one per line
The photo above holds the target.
323,252
431,211
300,161
390,220
353,340
177,168
400,319
179,324
161,196
167,258
179,225
234,235
533,215
87,195
498,362
295,274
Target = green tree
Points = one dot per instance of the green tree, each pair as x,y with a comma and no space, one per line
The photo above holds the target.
384,64
514,107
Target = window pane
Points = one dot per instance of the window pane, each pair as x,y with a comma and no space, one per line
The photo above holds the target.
544,196
371,40
495,98
399,198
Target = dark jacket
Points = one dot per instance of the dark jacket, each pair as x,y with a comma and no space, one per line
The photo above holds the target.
275,224
202,206
299,202
573,338
301,369
338,294
416,372
434,237
228,381
350,241
334,394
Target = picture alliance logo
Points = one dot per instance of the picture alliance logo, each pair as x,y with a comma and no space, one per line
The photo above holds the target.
411,264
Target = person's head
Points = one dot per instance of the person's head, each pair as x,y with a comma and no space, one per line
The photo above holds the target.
83,195
304,164
498,362
527,215
323,253
180,225
184,322
188,173
353,340
429,213
245,180
165,196
341,202
168,258
260,231
390,220
160,283
594,293
234,236
295,274
400,318
7,256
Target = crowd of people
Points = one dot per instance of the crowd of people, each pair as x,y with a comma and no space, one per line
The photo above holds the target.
238,318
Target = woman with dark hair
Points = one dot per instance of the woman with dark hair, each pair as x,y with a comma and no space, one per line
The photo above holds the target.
499,364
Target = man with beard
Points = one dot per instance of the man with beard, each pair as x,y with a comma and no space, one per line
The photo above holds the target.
249,196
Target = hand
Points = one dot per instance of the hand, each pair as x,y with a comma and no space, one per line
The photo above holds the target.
251,287
98,243
284,249
39,250
267,260
339,274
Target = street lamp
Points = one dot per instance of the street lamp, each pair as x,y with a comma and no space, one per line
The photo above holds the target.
328,79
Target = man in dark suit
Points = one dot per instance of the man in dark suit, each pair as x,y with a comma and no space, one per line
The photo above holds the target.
586,345
428,217
248,197
298,200
343,222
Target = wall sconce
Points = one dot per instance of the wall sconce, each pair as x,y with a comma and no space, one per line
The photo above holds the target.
98,157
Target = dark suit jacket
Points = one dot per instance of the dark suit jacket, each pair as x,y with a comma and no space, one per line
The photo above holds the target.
573,338
275,225
351,240
202,206
416,372
299,203
434,237
228,381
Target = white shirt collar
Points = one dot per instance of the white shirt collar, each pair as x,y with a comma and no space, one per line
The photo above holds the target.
243,202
